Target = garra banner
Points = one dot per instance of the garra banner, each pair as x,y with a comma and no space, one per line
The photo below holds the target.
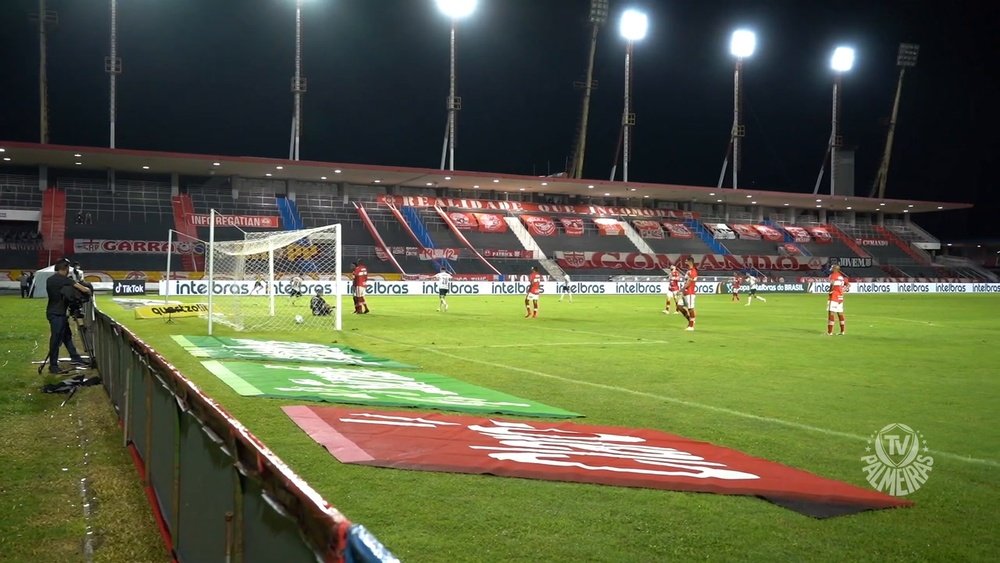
798,233
648,229
820,234
704,262
241,221
539,226
770,233
491,223
523,206
562,451
678,230
111,246
609,227
372,386
464,221
746,231
573,226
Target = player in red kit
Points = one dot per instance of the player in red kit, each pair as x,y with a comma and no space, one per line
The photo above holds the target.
673,290
839,284
736,288
360,280
689,293
531,298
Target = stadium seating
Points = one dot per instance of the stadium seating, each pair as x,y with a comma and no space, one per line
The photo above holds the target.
18,191
131,201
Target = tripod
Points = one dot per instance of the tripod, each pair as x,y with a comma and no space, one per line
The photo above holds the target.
73,383
85,338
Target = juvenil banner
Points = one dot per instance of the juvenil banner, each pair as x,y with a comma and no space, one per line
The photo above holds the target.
573,226
563,451
609,227
370,386
539,226
648,229
490,223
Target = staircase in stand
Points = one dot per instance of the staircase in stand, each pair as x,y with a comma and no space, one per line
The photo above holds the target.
697,228
637,240
291,220
528,242
379,242
183,208
840,235
789,239
893,238
52,227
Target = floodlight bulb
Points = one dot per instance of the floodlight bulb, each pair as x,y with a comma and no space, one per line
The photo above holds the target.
842,59
456,9
633,25
743,43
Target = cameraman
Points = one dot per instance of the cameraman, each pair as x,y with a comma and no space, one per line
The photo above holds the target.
59,331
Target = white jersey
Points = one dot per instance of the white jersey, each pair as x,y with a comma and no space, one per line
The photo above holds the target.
443,280
752,282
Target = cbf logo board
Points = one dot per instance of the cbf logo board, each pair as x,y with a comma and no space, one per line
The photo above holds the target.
897,463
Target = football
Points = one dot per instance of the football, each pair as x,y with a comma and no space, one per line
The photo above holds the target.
299,319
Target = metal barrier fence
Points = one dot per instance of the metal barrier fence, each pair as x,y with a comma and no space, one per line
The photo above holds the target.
217,492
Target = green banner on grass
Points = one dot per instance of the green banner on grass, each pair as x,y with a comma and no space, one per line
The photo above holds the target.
222,348
373,387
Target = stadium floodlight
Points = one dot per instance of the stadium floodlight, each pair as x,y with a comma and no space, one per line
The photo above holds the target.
633,25
456,9
743,43
842,59
907,56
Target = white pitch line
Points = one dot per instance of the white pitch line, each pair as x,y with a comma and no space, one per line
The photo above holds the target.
534,344
713,408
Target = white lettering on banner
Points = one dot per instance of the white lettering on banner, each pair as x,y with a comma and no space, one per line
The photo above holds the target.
914,288
252,221
109,246
871,242
704,262
986,288
518,206
523,443
951,287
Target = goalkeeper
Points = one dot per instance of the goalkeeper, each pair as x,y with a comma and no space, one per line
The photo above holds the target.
318,305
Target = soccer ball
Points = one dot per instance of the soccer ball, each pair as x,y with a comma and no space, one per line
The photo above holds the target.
299,319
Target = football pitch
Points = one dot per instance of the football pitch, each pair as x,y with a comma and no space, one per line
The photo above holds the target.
764,380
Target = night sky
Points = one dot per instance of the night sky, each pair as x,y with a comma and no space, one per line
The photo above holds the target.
213,76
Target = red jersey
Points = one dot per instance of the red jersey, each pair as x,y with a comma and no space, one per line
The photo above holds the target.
535,279
360,276
736,285
692,277
675,281
838,285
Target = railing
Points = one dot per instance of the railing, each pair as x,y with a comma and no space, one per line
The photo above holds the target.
218,493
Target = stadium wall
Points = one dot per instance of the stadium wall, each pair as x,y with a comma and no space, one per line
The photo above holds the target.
216,491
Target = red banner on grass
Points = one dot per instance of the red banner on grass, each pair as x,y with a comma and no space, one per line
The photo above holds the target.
491,223
573,226
539,226
609,227
607,455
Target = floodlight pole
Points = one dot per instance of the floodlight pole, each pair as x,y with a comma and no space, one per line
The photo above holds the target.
598,15
628,118
113,66
454,104
298,86
835,140
907,58
45,17
736,135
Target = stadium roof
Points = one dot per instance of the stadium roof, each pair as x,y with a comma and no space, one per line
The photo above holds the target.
155,162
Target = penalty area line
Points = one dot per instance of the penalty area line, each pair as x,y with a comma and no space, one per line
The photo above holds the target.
676,401
535,344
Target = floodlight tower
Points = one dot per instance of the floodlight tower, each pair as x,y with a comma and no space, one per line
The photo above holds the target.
907,58
742,45
456,10
113,66
298,86
842,61
632,26
45,18
598,17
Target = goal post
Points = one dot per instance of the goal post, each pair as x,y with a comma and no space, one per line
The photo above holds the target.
180,243
275,281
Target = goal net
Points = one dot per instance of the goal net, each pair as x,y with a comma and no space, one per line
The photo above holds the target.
276,281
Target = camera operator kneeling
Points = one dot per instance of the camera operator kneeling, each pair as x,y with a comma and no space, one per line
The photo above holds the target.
57,287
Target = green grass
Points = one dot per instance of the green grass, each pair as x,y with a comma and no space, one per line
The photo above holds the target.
763,380
42,449
760,379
